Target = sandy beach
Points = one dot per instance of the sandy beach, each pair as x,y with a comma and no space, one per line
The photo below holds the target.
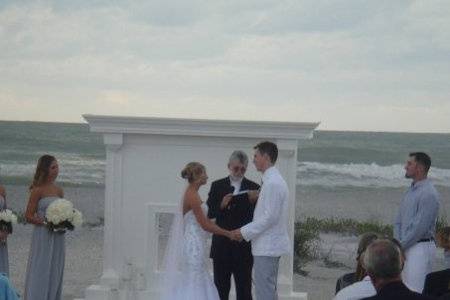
84,262
336,251
83,258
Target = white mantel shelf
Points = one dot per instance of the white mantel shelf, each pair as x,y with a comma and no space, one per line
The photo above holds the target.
200,127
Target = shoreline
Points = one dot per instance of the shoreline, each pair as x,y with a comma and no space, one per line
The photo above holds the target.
372,204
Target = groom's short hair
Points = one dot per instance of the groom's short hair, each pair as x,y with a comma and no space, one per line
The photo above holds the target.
268,148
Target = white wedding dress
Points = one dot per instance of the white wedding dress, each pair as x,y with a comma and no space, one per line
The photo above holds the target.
187,276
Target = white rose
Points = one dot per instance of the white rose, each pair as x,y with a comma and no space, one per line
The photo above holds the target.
59,210
77,219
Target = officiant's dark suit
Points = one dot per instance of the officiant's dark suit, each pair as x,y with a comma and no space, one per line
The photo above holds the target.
231,257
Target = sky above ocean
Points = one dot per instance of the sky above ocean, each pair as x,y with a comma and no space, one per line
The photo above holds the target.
352,65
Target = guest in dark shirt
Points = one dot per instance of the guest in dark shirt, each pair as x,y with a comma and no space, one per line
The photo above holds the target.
438,283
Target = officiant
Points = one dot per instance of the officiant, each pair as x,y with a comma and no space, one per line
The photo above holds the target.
231,202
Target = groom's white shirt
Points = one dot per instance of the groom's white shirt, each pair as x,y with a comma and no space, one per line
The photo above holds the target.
268,231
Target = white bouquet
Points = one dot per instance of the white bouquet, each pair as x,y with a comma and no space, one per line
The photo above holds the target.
7,219
61,215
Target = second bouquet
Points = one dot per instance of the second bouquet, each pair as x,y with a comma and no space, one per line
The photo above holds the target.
61,216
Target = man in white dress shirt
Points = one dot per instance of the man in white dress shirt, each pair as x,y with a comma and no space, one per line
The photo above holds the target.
268,231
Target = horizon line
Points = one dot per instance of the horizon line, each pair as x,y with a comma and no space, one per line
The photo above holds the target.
322,130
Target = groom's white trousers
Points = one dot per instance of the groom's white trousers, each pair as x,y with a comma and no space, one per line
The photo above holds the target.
265,274
419,262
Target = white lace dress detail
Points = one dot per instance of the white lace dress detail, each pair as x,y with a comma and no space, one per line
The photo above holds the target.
196,282
194,249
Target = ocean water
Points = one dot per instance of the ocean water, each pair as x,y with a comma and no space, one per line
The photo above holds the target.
342,169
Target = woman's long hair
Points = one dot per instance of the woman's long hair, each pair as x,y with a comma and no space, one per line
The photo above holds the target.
42,170
443,238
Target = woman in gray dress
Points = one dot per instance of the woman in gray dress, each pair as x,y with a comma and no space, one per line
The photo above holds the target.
45,270
4,263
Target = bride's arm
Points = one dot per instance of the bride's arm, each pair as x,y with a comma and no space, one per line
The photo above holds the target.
204,222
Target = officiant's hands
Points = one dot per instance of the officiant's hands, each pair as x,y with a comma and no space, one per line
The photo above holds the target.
253,195
226,200
236,235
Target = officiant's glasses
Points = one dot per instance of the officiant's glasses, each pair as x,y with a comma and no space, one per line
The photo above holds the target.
237,169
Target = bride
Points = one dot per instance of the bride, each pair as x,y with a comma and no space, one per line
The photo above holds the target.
186,275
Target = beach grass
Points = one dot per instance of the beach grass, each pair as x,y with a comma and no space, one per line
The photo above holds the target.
307,236
345,226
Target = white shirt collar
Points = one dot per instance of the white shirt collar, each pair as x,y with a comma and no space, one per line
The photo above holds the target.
268,172
236,181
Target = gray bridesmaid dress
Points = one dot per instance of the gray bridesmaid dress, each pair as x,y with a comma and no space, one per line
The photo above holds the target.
45,270
4,263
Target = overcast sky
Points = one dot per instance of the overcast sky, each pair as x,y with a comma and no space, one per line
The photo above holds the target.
381,65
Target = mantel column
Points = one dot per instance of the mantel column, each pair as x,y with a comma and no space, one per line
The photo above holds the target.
287,164
113,203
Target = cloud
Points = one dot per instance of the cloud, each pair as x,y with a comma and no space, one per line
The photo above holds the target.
114,98
333,61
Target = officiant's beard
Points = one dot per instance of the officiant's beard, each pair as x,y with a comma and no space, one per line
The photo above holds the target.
236,178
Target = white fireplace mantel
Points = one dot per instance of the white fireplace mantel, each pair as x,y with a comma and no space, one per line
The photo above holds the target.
144,157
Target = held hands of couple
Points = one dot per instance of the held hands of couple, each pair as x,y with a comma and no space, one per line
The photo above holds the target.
235,235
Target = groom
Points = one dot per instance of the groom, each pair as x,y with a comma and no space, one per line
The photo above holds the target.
268,231
232,210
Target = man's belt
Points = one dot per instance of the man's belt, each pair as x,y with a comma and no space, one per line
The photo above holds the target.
426,240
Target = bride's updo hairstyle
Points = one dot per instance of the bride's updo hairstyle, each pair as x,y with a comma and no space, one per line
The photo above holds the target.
192,171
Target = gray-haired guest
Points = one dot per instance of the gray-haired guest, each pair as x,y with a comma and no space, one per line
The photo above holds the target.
232,210
384,261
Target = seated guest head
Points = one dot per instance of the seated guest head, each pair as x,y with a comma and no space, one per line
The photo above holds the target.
443,241
237,164
443,238
364,242
354,277
383,262
400,248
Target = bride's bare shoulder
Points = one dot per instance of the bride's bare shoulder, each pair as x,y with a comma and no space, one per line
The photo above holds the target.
192,198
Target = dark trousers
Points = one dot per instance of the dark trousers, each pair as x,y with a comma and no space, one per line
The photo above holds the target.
242,273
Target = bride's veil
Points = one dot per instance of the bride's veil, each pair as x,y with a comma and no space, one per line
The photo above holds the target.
173,257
